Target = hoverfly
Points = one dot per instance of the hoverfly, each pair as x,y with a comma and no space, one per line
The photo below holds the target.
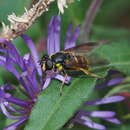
72,59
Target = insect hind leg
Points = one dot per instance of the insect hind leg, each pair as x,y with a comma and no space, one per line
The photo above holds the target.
89,73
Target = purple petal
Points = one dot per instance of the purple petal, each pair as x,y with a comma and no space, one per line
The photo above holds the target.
113,120
12,51
111,82
67,43
75,35
57,33
29,62
101,86
31,73
8,64
33,51
101,114
13,126
62,78
88,122
34,82
46,83
4,95
53,39
26,85
50,74
50,45
113,72
7,87
9,107
115,81
2,58
106,100
10,67
71,38
2,63
6,113
17,102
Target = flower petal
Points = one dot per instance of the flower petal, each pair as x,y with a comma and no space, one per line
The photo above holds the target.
9,107
53,39
7,87
62,78
33,52
67,43
13,52
115,81
113,120
101,114
13,126
9,65
106,100
6,113
18,102
46,83
88,122
30,73
71,38
75,35
26,85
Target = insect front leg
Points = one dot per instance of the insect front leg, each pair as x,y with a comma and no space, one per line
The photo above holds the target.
63,73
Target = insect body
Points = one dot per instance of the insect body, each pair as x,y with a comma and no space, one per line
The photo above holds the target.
72,59
56,62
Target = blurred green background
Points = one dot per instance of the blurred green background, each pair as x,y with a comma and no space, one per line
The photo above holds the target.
112,21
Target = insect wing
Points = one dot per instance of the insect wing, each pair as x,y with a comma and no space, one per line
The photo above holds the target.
84,51
85,48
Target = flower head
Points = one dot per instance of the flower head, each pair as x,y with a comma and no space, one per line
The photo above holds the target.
28,73
84,117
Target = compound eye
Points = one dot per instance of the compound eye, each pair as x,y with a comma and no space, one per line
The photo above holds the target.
45,57
49,64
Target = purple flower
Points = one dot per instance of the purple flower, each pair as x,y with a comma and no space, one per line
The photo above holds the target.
116,78
28,72
84,117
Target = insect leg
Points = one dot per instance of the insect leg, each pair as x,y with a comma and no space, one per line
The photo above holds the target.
89,73
63,82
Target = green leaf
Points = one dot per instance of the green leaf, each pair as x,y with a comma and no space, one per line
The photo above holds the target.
117,53
52,111
2,121
1,81
122,127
